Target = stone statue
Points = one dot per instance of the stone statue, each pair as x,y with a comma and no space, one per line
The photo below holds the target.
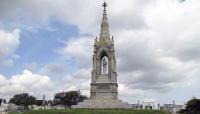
104,64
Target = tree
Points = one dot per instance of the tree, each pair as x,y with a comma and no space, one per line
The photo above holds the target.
49,102
39,102
4,100
23,99
1,101
82,98
56,102
69,98
192,107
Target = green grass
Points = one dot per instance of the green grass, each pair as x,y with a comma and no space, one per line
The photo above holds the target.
94,111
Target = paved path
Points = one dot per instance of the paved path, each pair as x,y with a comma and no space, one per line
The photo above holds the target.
174,113
3,112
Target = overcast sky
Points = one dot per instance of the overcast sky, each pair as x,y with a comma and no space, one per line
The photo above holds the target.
46,46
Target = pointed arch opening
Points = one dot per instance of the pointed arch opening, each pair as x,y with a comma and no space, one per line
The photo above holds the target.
104,63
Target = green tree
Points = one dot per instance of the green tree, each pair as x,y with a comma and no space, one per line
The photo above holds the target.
69,98
23,99
1,101
39,102
192,107
4,100
49,102
56,102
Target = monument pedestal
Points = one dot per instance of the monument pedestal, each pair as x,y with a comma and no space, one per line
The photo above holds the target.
102,104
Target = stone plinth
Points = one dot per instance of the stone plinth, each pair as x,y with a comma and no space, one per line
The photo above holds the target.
102,104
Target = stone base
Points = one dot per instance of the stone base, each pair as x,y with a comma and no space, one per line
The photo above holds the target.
102,104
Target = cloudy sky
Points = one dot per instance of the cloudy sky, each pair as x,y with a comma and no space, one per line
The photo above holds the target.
46,46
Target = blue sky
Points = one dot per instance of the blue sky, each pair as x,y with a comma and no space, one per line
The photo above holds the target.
46,47
39,42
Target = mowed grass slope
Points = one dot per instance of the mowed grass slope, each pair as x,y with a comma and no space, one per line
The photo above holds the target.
94,111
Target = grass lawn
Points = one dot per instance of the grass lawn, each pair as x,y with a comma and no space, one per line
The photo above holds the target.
94,111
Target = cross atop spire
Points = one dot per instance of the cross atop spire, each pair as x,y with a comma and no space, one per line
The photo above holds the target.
104,5
104,33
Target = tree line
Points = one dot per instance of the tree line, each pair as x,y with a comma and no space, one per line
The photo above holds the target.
2,101
192,107
66,99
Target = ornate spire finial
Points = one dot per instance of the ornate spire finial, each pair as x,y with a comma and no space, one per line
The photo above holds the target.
104,24
104,5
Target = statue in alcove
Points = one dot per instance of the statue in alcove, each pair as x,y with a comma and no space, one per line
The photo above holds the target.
104,65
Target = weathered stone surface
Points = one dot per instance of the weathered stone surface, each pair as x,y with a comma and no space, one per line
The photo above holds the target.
104,77
102,104
104,87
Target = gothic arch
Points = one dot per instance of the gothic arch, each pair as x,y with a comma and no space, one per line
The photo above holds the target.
103,52
104,62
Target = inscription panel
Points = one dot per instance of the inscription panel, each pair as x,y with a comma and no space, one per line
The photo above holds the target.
103,86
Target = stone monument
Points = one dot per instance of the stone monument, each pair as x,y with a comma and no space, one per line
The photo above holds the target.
104,87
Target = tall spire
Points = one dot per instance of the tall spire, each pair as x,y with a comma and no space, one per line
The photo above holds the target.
104,33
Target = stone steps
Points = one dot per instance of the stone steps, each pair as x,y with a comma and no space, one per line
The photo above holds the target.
102,104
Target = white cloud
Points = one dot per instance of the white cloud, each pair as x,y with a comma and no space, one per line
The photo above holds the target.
9,41
79,80
157,42
79,49
34,84
162,46
64,10
175,27
54,69
31,66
